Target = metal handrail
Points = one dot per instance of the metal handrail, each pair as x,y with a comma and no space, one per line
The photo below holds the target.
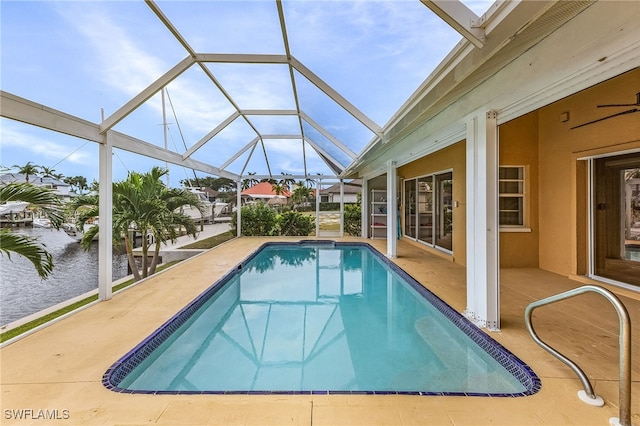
624,341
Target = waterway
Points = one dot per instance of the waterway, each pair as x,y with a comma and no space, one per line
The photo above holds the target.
75,272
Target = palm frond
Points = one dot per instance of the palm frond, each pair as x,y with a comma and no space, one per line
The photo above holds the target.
39,197
29,248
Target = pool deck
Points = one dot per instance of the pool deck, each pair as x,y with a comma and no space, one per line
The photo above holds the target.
59,369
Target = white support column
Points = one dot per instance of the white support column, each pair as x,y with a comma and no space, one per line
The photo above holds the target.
318,186
341,208
392,209
238,208
105,237
364,216
483,271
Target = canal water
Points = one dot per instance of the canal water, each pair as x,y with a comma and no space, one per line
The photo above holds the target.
75,272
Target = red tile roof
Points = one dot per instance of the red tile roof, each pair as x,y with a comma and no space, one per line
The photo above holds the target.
263,189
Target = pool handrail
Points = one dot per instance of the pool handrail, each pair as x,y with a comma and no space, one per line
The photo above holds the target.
624,341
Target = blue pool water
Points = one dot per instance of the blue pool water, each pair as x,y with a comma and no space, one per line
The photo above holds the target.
318,317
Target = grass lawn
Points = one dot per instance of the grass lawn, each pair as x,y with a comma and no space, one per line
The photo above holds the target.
210,242
329,221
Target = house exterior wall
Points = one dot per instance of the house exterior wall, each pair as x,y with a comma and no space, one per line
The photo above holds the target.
556,188
348,198
557,180
562,180
518,146
449,158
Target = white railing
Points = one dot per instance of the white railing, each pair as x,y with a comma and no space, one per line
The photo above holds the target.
588,394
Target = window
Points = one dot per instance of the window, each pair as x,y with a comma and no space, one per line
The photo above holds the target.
511,189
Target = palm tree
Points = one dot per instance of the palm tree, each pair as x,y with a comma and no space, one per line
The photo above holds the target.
142,203
301,193
287,181
78,183
27,170
50,172
278,188
249,182
50,204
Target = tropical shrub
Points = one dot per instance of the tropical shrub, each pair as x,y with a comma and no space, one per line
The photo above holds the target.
262,220
257,220
294,223
353,219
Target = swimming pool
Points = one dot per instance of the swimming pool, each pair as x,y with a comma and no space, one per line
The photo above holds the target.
320,317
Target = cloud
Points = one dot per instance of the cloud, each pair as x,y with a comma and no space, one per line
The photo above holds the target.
31,145
123,62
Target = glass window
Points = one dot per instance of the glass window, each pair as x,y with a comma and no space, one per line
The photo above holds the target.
511,204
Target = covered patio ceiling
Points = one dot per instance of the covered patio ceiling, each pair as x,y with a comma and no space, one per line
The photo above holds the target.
256,88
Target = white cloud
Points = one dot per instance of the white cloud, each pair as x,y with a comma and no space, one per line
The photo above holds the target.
47,151
125,65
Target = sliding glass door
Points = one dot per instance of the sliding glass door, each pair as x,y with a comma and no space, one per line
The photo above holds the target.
428,209
410,208
616,218
444,213
425,209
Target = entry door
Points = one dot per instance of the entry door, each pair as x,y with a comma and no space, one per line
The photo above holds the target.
616,220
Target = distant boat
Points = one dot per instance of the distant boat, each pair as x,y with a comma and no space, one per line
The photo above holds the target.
15,213
211,209
72,230
41,222
13,207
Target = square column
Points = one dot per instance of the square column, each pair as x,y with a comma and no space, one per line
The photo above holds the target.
238,208
364,212
392,209
341,208
318,187
105,210
483,231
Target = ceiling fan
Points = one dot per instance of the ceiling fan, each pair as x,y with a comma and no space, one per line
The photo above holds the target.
629,111
623,105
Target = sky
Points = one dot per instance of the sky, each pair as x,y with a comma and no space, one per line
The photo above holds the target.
88,58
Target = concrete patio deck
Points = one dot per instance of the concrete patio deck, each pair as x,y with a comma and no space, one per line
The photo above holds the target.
58,370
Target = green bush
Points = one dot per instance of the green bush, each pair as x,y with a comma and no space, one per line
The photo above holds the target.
257,220
353,219
294,223
261,220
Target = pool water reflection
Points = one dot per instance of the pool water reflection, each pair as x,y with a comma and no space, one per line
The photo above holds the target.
301,318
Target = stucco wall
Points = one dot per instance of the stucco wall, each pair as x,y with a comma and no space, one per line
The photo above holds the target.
519,147
562,177
452,157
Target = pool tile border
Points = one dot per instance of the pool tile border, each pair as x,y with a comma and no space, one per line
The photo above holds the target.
127,363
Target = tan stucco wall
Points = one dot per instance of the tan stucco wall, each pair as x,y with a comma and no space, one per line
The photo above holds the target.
557,179
452,157
561,180
519,147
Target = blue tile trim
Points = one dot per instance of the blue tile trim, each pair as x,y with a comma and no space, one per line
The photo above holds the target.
121,368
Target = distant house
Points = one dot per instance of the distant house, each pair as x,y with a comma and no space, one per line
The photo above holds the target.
62,189
350,191
264,192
